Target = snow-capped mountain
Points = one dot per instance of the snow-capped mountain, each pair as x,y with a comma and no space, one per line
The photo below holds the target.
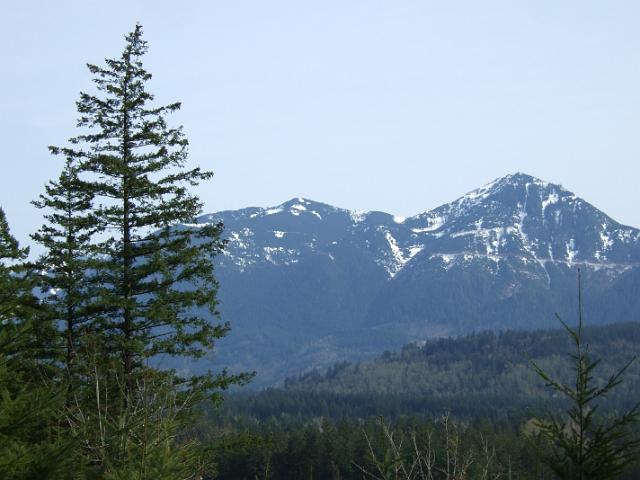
519,215
307,284
514,216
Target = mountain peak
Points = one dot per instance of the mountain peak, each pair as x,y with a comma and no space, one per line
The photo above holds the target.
518,179
302,202
521,177
296,201
513,189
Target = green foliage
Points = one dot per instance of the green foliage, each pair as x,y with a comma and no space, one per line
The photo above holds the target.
585,445
29,401
156,284
351,449
126,279
18,305
29,445
146,438
67,294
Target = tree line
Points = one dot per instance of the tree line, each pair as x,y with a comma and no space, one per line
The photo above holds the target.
485,374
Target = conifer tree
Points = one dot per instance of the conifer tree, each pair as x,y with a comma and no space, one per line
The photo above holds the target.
65,266
157,288
586,445
17,303
28,400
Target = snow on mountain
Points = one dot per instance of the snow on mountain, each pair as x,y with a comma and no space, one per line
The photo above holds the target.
514,216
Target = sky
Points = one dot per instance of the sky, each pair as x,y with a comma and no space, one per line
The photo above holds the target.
398,106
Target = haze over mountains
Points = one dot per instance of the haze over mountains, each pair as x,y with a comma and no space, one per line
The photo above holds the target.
306,284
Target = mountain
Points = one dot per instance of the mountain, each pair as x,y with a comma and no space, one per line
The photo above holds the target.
306,284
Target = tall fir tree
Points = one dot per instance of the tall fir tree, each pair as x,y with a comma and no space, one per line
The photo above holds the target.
65,268
130,276
157,287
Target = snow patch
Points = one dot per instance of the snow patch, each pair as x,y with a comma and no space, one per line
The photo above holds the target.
522,215
358,216
625,235
482,192
551,199
197,225
239,239
464,233
433,223
297,209
398,258
280,255
273,211
607,241
571,250
396,252
495,241
447,258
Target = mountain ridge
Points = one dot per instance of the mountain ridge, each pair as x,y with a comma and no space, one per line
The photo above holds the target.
305,284
449,219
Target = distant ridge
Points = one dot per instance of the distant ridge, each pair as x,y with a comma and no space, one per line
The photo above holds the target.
307,284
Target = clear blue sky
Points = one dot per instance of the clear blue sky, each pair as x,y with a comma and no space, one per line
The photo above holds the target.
372,105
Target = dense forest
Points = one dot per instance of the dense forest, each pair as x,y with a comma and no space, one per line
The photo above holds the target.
325,449
486,365
483,385
484,375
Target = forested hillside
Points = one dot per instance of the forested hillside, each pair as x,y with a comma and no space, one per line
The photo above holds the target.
485,374
469,402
